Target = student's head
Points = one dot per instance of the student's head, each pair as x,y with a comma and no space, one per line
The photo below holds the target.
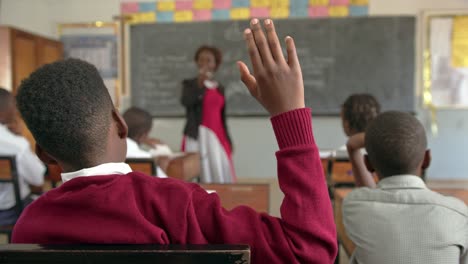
357,111
208,58
139,123
68,109
7,107
396,144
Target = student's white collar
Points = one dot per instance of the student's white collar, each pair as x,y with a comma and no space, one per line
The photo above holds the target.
103,169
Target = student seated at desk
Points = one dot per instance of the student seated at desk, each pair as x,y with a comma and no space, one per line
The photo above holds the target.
69,111
139,124
30,169
402,221
356,113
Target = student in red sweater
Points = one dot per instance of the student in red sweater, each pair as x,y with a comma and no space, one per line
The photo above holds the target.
70,113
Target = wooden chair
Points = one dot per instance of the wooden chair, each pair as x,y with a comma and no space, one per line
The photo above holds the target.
146,166
326,164
116,254
256,196
9,175
185,167
341,173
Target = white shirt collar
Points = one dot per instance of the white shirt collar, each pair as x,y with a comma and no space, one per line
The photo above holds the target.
103,169
402,182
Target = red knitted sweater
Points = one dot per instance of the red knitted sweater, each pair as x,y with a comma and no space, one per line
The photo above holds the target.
138,209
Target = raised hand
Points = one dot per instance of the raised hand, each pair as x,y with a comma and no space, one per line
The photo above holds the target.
276,82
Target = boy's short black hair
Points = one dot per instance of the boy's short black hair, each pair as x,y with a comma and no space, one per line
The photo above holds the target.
218,55
396,143
138,121
68,109
359,110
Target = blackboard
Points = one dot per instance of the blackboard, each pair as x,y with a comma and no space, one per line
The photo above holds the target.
339,57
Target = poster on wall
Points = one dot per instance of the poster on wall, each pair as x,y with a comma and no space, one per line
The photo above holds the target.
99,50
448,46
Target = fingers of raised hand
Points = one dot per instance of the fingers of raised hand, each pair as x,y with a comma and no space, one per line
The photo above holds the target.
273,41
247,78
253,51
293,61
261,42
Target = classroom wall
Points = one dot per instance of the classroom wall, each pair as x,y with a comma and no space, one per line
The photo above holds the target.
253,137
42,16
26,14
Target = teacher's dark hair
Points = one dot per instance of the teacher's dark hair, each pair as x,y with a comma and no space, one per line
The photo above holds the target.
213,50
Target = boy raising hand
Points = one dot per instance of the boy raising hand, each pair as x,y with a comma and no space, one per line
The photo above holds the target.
69,111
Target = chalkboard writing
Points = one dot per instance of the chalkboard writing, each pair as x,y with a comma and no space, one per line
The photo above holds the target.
339,57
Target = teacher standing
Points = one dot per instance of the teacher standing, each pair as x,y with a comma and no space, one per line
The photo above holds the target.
206,129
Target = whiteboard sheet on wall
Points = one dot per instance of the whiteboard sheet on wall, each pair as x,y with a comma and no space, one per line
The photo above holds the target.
449,84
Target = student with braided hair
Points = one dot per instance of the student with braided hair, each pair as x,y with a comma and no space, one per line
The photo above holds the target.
356,113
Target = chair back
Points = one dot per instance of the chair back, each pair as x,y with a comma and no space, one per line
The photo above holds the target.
146,166
117,254
9,174
341,173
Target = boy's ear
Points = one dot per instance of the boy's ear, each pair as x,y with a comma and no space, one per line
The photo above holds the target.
368,164
122,127
44,156
427,160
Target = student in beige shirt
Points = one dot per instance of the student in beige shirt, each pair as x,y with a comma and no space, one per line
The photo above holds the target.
401,220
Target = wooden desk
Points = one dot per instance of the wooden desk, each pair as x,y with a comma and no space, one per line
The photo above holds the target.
447,184
119,254
341,172
340,194
256,196
458,193
185,167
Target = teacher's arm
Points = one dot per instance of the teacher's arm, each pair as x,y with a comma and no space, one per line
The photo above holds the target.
191,94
